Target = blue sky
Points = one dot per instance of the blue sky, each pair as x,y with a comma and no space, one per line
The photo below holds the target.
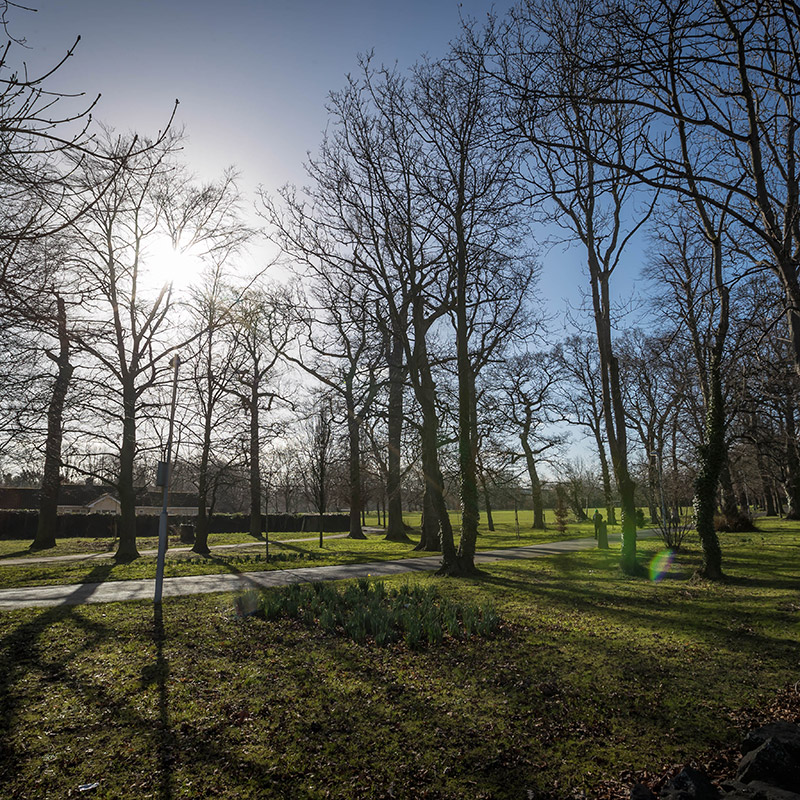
252,76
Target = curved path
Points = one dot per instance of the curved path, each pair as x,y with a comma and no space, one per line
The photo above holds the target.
113,591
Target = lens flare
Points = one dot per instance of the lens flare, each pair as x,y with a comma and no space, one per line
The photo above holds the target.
660,564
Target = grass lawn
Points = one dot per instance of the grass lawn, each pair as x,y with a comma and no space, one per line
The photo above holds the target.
289,554
19,548
591,676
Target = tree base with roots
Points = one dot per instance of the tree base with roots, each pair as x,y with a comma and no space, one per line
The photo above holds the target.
400,537
460,568
35,546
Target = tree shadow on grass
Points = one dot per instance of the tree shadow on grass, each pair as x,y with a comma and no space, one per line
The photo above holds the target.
508,719
222,562
781,582
708,618
293,547
18,553
32,667
20,654
160,673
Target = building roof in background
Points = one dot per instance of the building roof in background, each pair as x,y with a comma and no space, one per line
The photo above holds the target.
19,497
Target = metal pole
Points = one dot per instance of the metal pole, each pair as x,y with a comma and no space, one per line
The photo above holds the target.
164,476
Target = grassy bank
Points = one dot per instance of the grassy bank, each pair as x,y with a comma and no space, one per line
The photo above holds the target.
591,674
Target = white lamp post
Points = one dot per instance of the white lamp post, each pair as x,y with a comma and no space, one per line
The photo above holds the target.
163,480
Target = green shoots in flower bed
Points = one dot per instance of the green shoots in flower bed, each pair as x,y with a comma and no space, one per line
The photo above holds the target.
367,611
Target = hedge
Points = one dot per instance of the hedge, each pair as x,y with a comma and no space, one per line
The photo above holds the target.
334,523
16,524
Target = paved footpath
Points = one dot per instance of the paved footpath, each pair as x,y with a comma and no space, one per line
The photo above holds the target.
113,591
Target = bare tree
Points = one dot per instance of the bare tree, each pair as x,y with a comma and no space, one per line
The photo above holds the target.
316,459
38,367
651,400
469,178
128,328
211,366
523,397
123,329
205,219
260,331
579,399
766,389
46,140
338,346
692,263
576,139
366,217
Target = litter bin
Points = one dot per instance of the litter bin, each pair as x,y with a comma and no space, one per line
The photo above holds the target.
186,532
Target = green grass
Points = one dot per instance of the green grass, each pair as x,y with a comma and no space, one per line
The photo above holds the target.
591,674
334,551
19,548
505,524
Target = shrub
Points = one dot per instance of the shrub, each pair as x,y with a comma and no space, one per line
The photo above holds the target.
673,529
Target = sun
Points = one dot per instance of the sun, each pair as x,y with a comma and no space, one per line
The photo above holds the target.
167,263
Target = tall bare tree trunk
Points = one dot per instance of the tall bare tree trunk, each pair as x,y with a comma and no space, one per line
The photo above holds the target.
608,495
792,464
51,474
712,454
711,458
395,531
255,464
470,513
354,441
437,531
536,484
201,522
613,412
126,550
